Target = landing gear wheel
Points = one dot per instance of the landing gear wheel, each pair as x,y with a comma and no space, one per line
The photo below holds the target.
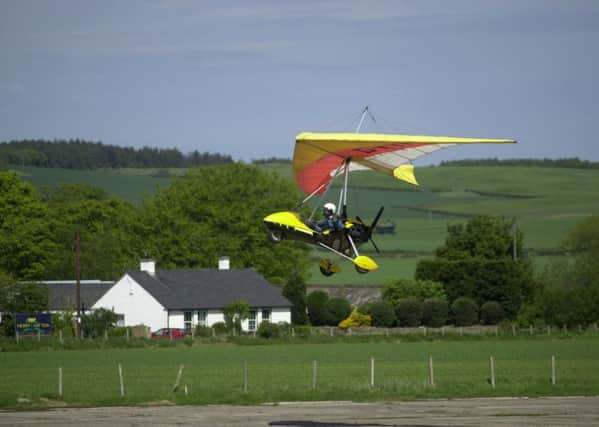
361,270
326,272
275,236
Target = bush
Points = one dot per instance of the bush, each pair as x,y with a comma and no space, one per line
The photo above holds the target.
220,328
356,319
295,291
409,312
407,288
338,309
269,330
383,314
317,308
203,331
464,312
434,312
491,313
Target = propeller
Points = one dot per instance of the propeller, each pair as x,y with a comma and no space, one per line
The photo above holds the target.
371,228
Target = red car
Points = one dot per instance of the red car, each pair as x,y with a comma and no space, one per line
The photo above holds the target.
170,332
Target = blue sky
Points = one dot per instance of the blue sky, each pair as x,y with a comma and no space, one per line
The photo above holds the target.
244,77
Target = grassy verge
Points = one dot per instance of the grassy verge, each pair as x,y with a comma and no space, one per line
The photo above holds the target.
213,373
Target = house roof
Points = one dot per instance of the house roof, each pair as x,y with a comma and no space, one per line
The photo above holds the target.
63,293
205,289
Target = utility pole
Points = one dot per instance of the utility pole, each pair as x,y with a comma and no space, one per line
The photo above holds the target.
514,240
78,279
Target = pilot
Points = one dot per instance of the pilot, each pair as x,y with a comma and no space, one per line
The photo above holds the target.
330,219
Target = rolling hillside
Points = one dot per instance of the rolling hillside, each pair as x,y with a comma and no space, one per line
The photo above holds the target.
546,203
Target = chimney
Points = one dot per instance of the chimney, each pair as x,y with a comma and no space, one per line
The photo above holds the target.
148,265
223,263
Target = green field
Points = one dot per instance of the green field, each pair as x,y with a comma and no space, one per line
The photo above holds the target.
213,373
546,203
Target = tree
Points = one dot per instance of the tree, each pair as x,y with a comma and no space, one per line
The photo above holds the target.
382,313
20,297
295,291
236,312
491,313
110,235
464,312
584,241
26,243
477,261
338,309
317,308
218,210
434,312
96,322
409,312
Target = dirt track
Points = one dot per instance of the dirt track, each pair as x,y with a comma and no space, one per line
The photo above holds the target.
562,411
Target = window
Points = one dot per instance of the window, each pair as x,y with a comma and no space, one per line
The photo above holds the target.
252,320
266,315
202,316
120,320
187,316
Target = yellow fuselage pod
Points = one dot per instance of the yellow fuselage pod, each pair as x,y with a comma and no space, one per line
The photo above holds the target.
289,225
365,263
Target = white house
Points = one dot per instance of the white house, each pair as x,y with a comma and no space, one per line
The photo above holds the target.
186,298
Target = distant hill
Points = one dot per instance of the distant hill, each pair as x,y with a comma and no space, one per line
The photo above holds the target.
567,162
79,154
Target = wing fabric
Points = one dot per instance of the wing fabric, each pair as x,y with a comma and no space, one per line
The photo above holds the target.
318,157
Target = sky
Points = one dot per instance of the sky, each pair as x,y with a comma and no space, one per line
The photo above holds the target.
245,77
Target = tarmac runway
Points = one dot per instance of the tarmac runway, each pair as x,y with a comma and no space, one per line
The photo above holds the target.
547,411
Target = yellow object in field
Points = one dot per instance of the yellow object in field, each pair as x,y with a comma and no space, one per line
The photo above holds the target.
365,263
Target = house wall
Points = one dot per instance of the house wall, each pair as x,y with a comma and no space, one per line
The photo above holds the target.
128,298
176,317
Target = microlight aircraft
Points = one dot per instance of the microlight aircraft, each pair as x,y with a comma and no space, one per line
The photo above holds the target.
319,158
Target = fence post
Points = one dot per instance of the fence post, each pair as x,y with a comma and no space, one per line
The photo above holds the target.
443,330
492,368
39,336
461,330
513,329
121,381
245,377
580,329
213,333
17,336
565,329
60,381
431,373
496,331
128,335
178,380
292,332
331,331
553,379
314,374
548,330
530,328
105,334
60,336
192,333
372,372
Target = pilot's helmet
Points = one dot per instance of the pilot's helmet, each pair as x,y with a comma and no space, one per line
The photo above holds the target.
329,209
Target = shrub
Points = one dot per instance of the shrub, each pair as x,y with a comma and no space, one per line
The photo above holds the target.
491,313
409,312
338,309
220,328
383,314
407,288
268,330
295,291
434,312
464,312
317,308
355,320
203,331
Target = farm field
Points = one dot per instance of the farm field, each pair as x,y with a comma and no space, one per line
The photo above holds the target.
545,202
213,373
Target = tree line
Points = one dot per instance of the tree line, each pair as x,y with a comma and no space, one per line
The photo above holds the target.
80,154
568,162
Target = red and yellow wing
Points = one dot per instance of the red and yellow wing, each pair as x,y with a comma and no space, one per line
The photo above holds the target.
318,157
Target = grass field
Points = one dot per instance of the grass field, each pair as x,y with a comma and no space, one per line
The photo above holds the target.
214,373
546,202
